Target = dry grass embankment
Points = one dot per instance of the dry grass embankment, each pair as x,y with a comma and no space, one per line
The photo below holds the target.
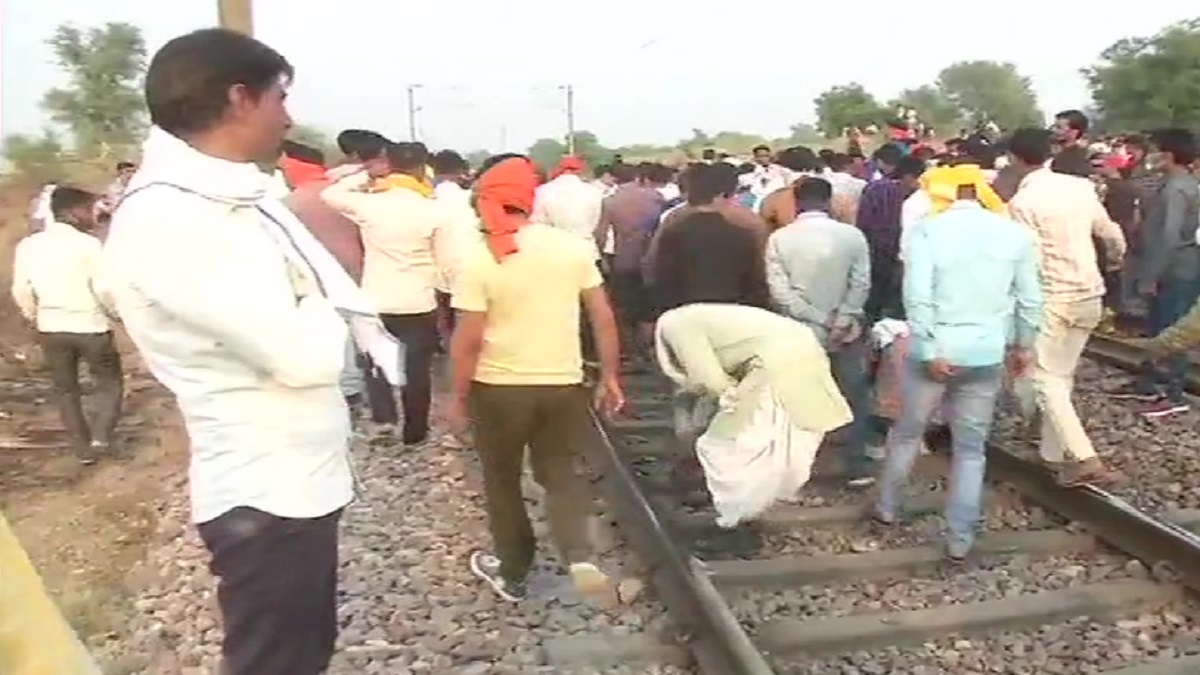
86,529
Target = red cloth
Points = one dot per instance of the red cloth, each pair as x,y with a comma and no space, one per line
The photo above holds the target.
510,184
568,165
297,172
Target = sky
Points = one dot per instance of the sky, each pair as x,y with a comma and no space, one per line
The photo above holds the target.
490,73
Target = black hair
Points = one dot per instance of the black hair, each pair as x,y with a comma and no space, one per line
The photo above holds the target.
760,147
1177,142
66,198
303,152
624,173
1072,164
659,173
909,167
840,161
888,154
361,143
122,165
707,182
812,193
448,162
1031,145
496,159
1075,119
603,169
709,154
188,81
799,158
407,157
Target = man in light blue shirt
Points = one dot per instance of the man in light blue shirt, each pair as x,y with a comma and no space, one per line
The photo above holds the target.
819,273
973,300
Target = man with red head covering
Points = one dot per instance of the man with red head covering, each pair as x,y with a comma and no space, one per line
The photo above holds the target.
568,202
518,375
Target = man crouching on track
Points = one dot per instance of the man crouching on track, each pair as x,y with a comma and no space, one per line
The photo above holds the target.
970,272
777,398
518,370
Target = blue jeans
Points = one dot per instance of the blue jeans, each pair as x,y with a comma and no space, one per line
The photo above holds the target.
850,366
971,394
1170,304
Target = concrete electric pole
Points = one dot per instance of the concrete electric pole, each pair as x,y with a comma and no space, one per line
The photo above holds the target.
412,111
569,90
236,15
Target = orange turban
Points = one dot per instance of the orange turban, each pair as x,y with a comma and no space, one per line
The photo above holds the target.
507,186
569,164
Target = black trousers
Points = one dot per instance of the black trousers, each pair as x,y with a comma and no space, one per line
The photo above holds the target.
277,590
418,333
63,353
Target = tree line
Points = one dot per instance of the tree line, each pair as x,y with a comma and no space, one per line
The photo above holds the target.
1137,83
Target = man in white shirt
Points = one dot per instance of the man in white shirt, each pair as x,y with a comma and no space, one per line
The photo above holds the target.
449,176
54,286
410,245
768,176
231,316
569,203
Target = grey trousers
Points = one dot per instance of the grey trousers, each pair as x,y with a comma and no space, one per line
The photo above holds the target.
64,352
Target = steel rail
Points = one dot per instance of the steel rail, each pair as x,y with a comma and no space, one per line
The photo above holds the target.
709,629
1110,518
1120,354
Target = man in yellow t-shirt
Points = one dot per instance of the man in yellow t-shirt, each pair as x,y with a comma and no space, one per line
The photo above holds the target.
518,374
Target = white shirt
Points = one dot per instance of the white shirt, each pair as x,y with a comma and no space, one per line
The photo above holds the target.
53,280
845,184
767,179
465,223
670,192
571,204
916,208
409,243
211,303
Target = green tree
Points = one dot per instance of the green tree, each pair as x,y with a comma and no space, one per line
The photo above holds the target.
990,91
848,105
800,133
38,158
546,152
932,107
1149,82
102,105
314,138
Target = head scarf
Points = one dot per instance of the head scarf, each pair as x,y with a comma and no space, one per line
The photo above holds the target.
942,185
568,165
511,183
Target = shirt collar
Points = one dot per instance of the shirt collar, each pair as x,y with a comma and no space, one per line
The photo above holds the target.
965,205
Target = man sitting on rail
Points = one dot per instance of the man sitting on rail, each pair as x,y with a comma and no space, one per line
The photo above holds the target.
777,398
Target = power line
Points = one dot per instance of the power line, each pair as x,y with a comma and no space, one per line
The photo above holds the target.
412,111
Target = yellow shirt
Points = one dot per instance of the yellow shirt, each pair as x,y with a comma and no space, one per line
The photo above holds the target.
532,305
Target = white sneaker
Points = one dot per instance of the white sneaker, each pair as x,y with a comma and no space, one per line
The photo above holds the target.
593,584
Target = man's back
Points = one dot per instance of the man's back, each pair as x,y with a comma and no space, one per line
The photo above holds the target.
705,258
532,304
55,268
965,271
570,204
1064,212
336,232
632,212
823,262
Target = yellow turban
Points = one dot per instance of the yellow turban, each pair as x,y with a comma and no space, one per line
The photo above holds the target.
942,185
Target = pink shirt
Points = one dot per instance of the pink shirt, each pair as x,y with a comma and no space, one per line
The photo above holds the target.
336,233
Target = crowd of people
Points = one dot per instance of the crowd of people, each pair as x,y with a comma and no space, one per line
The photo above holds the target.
282,300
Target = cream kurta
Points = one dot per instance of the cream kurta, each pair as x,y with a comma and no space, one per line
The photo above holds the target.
716,349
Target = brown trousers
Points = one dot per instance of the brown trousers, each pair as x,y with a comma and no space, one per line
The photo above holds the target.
552,422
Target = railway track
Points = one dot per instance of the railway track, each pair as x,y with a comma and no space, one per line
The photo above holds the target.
768,598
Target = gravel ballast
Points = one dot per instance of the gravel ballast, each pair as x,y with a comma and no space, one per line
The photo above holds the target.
409,603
